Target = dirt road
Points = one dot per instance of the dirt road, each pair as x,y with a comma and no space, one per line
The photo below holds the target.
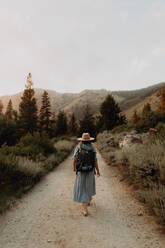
47,217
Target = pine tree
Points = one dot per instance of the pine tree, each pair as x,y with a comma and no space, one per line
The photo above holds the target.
1,107
45,113
72,126
87,123
146,109
110,113
163,100
15,115
134,117
53,117
28,108
52,131
9,111
61,124
99,124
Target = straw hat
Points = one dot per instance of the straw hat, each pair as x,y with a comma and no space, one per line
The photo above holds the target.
85,137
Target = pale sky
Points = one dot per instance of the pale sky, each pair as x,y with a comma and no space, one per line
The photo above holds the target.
72,45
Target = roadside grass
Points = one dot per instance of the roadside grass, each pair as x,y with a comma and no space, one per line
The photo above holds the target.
22,166
142,165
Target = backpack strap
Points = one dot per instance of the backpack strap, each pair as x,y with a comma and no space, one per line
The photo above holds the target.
79,149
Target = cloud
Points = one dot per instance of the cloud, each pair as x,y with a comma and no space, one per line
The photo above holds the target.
78,44
158,10
137,66
158,52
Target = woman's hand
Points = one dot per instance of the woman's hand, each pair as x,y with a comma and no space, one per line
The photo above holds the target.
97,169
98,173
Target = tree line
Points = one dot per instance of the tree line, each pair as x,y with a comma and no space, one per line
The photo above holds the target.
30,119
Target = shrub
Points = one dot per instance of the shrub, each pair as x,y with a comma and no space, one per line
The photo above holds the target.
161,130
155,198
121,157
63,148
149,121
32,146
8,132
31,168
7,165
63,145
142,165
106,140
122,128
109,157
51,162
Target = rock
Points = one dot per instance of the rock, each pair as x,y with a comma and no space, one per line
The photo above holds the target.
153,131
140,214
122,179
49,241
129,140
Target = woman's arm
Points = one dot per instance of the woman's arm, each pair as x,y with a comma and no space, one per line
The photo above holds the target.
74,165
74,158
97,168
96,164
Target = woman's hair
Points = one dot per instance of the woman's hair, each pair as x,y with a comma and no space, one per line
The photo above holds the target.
86,142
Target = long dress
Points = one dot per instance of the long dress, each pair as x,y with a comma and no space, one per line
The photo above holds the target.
84,186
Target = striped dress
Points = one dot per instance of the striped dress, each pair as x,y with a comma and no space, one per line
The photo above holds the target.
84,186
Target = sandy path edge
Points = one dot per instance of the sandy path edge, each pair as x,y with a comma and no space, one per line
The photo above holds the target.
47,216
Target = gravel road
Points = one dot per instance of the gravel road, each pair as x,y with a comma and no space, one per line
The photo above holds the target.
46,217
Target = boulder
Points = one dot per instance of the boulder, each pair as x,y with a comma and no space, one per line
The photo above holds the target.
129,140
153,131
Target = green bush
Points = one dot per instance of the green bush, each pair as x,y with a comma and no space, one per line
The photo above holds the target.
107,140
63,148
149,121
32,146
8,163
16,176
161,130
8,132
63,145
122,128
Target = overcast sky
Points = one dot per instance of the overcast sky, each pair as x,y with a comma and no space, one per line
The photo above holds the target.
72,45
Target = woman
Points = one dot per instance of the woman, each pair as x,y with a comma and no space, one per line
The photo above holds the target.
84,186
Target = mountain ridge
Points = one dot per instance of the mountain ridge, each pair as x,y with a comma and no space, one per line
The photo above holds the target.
74,102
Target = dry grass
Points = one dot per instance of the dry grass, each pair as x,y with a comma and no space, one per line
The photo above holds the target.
64,145
18,174
155,198
30,167
142,164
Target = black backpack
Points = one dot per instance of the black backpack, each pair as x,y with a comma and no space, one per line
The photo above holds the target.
85,159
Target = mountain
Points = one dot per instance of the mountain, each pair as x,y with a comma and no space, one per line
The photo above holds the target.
69,102
137,98
75,102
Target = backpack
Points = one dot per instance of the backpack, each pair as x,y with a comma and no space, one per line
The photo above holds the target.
85,159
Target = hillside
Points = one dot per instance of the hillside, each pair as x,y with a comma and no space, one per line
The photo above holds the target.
154,101
57,100
94,98
75,102
136,99
69,102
